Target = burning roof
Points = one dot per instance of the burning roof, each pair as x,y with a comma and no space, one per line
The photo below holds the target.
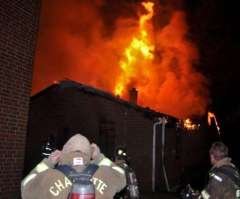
97,92
146,50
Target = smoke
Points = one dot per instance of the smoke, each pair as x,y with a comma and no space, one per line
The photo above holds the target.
85,40
70,44
181,90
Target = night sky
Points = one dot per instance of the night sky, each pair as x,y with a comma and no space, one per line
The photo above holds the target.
215,28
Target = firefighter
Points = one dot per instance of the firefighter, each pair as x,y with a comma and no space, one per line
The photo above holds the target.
132,190
224,180
44,181
48,147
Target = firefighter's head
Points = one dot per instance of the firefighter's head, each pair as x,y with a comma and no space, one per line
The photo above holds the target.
217,152
49,146
78,144
121,154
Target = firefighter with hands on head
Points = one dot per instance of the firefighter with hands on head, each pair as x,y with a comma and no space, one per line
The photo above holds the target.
224,179
48,182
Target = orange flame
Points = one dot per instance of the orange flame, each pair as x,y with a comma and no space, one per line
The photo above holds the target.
210,117
140,48
158,60
189,125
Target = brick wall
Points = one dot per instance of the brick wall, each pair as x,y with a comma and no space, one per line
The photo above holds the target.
18,28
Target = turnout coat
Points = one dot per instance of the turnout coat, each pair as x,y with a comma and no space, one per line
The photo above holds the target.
224,182
46,182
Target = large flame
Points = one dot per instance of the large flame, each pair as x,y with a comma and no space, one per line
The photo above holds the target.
89,42
140,50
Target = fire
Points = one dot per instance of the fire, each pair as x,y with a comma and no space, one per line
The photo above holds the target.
122,49
144,18
139,48
189,125
210,116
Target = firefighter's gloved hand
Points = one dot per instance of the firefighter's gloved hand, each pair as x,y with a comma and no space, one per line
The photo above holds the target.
54,157
96,153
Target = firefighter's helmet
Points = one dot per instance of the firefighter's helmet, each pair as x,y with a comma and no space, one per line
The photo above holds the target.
121,154
48,147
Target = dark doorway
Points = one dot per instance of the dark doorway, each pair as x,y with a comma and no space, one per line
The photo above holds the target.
107,137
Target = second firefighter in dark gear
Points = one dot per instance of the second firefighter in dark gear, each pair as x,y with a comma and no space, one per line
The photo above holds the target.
224,179
48,147
131,191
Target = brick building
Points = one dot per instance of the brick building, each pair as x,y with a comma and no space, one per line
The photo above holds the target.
18,28
66,108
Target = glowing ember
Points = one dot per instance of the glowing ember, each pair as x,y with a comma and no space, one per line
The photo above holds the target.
140,48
